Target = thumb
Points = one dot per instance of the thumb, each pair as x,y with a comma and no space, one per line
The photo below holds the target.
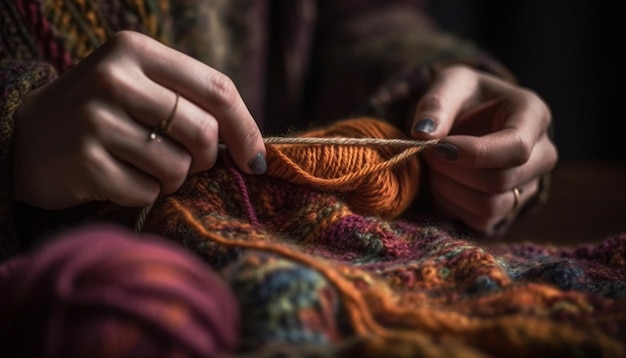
437,110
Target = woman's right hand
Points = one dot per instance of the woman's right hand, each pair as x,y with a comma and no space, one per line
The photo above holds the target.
86,136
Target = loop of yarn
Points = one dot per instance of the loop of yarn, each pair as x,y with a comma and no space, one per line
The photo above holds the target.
372,183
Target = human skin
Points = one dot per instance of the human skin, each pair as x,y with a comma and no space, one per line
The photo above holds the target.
85,136
87,133
494,138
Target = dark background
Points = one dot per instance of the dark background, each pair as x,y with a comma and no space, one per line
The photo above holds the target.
565,50
569,52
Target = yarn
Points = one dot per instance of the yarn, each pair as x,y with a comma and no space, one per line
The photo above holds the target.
357,156
99,292
310,272
372,182
314,277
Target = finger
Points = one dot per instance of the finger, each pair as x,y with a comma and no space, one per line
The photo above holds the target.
210,90
190,126
117,181
440,105
523,119
450,209
161,158
543,159
482,209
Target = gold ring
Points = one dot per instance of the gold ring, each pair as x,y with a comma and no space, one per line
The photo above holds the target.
166,124
517,193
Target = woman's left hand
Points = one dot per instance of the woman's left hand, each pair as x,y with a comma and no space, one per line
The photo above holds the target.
494,146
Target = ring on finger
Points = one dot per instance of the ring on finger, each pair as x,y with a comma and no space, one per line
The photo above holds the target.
510,216
517,194
166,124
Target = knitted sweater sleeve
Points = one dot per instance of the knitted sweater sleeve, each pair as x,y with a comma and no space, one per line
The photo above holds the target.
17,77
377,57
30,56
39,41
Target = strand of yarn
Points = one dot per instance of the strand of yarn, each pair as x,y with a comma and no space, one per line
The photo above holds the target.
141,219
358,157
355,142
417,325
410,151
376,171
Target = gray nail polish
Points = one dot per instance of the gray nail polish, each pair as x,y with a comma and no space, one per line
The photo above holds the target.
258,164
447,150
425,125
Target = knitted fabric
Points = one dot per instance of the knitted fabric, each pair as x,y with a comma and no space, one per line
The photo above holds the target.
315,276
16,80
292,63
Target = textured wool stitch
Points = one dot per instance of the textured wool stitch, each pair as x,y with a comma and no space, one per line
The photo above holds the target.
357,162
313,275
320,79
371,185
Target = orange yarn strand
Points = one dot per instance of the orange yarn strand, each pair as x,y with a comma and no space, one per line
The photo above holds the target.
377,180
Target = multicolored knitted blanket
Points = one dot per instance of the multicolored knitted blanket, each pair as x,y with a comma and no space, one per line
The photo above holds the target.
323,271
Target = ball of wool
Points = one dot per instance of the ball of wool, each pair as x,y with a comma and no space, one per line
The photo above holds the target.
386,192
98,292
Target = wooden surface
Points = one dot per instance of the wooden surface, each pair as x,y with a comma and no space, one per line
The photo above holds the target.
587,204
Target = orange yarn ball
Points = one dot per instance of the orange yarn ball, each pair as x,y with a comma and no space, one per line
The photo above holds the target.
352,170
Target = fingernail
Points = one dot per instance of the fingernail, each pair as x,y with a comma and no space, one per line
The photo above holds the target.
425,125
258,165
447,150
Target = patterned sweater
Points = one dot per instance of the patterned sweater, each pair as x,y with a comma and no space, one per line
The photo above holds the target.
294,62
322,264
319,271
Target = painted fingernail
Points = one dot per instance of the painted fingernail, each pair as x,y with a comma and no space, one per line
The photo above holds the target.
258,164
425,125
447,150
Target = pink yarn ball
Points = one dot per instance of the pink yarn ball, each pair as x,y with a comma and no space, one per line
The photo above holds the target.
103,292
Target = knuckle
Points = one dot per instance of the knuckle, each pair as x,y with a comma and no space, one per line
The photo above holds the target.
533,100
459,70
204,161
127,40
175,176
121,38
523,149
479,154
206,135
90,164
90,160
105,76
181,168
553,155
112,80
223,91
528,95
249,136
92,118
432,102
149,194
